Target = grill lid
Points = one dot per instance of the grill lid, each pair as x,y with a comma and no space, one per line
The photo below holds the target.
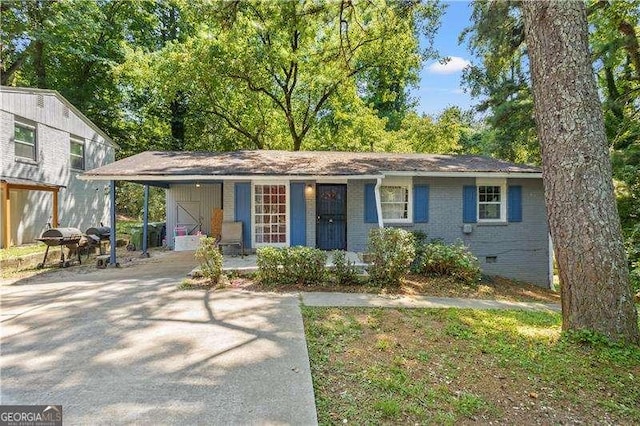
100,231
64,233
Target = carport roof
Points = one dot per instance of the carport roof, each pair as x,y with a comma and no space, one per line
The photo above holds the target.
189,165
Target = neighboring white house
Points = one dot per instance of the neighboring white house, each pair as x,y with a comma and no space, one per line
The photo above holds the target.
45,143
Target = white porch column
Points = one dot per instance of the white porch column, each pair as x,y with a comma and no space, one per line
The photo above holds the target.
376,192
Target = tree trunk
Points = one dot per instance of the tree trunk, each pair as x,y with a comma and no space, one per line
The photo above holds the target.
581,209
38,64
178,109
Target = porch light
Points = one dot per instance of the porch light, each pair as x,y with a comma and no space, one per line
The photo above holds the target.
197,185
309,189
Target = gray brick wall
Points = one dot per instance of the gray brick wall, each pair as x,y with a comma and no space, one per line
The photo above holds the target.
521,249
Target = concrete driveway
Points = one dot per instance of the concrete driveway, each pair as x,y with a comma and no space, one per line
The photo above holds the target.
124,346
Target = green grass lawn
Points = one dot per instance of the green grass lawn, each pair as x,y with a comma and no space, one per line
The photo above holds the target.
419,366
20,251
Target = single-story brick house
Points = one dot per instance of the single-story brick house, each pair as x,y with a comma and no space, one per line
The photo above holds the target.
330,200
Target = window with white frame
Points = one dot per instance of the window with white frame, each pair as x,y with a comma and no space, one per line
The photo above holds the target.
24,137
270,214
76,154
492,206
395,200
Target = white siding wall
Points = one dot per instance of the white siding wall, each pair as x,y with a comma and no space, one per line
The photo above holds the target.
208,196
81,204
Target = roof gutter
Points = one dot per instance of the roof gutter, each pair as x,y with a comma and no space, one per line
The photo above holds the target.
218,178
519,175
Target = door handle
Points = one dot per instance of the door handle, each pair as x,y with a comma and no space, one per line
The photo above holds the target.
330,220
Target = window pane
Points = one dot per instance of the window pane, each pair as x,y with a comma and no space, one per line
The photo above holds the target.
25,134
77,148
77,163
393,194
394,211
26,151
489,211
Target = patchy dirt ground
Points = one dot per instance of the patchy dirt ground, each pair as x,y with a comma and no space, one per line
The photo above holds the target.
388,366
125,259
491,288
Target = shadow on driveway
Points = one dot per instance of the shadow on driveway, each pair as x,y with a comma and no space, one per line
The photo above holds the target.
124,346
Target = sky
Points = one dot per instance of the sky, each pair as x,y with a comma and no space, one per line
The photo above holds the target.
440,85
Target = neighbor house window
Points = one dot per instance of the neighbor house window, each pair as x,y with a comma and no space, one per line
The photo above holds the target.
76,154
491,200
395,200
270,214
24,138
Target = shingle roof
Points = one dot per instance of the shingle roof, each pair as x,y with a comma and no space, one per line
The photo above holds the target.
300,163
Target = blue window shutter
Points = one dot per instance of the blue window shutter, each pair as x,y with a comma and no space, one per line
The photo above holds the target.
298,218
469,204
370,210
515,204
242,210
421,203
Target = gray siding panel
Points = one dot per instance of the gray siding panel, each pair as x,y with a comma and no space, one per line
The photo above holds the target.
207,195
82,204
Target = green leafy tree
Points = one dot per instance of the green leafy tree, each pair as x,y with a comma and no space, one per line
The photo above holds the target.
268,70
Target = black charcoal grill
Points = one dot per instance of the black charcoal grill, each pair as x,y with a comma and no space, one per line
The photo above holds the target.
97,235
59,237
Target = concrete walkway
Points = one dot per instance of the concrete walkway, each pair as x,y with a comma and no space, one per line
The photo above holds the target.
398,301
124,346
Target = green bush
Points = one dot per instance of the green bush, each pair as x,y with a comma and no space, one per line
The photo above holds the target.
454,260
291,265
210,259
344,271
269,262
392,251
419,244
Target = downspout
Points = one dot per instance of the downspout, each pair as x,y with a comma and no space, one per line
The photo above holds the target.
145,222
376,192
112,237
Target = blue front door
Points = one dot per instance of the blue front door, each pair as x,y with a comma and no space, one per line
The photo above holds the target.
331,210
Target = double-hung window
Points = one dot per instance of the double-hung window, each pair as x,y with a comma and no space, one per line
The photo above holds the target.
76,154
396,200
24,138
492,197
270,204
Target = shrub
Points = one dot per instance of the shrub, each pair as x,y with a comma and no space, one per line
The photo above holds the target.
269,262
419,243
454,260
392,251
344,271
210,259
291,265
305,265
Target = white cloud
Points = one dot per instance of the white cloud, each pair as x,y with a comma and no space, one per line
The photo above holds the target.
453,65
